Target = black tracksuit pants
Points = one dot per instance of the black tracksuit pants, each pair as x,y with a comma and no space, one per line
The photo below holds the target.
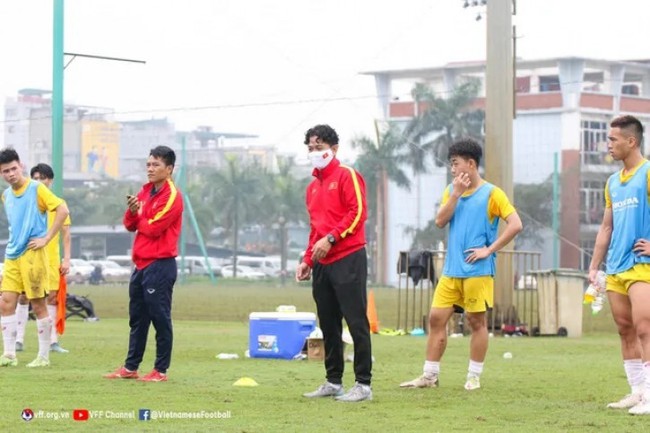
339,290
150,301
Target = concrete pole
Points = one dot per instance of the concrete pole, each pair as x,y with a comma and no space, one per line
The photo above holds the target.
499,85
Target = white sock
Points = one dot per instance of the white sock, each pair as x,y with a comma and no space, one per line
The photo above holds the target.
22,316
51,310
634,370
645,387
431,368
8,324
475,368
44,327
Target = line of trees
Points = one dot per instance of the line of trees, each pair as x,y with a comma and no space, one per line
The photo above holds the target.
239,196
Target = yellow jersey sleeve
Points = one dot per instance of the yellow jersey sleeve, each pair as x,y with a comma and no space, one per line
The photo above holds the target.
608,200
445,196
51,215
499,205
46,199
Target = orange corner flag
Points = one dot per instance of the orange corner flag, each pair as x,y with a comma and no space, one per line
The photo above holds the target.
372,313
61,305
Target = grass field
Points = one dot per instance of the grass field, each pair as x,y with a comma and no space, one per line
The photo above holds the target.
551,384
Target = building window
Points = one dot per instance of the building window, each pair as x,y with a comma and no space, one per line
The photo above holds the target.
630,89
549,83
593,143
586,251
592,201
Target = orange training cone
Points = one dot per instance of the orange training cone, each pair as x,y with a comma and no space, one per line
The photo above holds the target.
372,313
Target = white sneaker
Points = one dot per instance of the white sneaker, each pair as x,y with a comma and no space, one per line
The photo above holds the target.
643,408
473,382
627,402
421,382
326,390
358,392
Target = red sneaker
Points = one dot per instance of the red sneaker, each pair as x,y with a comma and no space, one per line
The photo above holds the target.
154,376
122,373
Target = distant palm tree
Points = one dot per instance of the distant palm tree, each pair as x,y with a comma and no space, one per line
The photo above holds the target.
203,211
82,208
441,121
286,194
103,205
236,193
379,162
284,204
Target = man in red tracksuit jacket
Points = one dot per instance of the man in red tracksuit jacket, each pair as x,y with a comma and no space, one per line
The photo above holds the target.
336,202
156,217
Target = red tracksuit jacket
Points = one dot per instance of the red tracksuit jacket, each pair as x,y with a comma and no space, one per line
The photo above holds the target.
157,224
336,202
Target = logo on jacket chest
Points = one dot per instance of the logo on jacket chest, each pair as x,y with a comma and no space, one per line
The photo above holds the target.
330,186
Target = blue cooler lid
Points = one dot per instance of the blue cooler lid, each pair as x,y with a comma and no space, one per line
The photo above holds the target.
282,316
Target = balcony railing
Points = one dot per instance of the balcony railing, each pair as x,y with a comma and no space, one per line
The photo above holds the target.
596,157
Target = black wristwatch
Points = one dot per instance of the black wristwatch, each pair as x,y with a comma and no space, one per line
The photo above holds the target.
331,239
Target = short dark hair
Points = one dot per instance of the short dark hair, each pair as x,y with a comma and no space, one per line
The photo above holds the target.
8,155
466,148
326,133
631,125
43,169
165,153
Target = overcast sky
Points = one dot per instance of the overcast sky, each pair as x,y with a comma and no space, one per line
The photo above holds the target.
275,68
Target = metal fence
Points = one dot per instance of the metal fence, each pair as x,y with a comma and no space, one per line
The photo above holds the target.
418,275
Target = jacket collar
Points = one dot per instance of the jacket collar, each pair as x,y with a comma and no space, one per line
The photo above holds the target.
148,187
327,171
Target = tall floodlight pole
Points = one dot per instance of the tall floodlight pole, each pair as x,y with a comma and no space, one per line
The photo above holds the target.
499,92
57,97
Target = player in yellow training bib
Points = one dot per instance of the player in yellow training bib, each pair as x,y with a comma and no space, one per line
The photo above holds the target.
26,204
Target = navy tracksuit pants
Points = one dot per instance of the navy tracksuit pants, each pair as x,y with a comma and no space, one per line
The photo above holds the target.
150,301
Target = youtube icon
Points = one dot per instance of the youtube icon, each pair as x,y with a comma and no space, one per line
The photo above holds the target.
80,414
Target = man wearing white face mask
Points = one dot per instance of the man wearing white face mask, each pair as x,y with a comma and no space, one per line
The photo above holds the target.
336,202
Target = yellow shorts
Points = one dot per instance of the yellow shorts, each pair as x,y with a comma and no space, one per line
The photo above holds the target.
474,294
54,272
620,283
28,273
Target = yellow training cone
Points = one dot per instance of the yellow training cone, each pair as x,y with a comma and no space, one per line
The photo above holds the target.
245,381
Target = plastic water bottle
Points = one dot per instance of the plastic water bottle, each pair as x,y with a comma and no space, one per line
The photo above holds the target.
597,304
594,290
595,293
590,294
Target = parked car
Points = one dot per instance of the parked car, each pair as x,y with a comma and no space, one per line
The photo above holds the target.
242,272
80,271
112,272
125,261
269,266
195,265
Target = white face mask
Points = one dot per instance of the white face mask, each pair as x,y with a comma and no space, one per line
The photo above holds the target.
320,159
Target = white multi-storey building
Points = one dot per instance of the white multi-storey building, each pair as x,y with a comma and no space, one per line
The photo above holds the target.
563,106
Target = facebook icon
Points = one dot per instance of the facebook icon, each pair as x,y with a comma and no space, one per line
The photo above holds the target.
144,415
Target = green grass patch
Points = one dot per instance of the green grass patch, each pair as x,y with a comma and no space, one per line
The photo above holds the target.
555,384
